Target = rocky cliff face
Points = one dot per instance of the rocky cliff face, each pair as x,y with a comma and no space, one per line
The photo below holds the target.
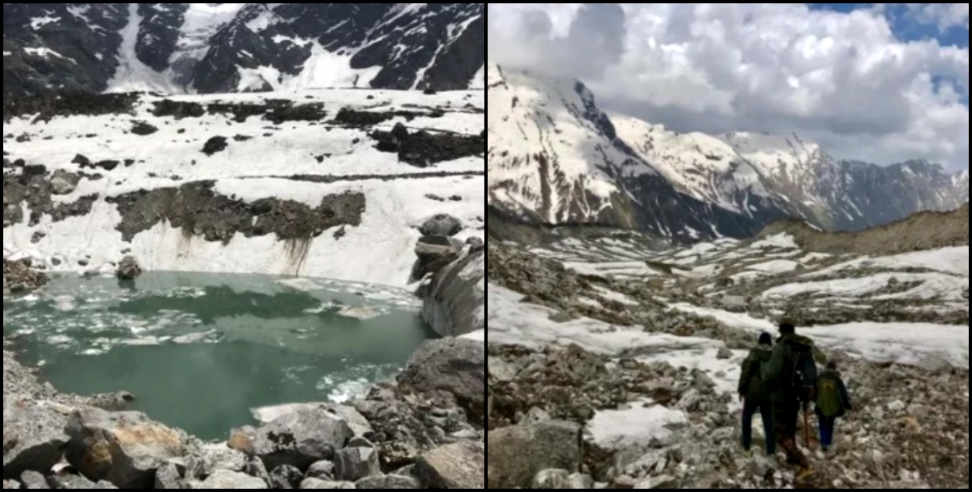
556,158
227,48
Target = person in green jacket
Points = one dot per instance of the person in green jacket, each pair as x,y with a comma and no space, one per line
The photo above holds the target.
790,376
754,394
832,401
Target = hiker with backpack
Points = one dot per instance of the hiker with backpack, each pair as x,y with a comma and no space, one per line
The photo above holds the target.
755,393
832,401
792,375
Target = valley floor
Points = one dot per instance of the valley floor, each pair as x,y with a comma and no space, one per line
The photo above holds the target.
667,332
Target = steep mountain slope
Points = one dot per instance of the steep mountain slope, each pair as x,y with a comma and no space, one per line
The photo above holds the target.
556,158
234,47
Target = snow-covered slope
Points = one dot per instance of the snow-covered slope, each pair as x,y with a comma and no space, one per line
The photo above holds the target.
555,157
301,162
232,47
548,153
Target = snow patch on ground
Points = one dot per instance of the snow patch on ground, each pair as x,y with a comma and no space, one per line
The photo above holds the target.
780,240
512,321
616,429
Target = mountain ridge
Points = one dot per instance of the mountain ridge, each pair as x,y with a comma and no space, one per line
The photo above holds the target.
208,48
555,157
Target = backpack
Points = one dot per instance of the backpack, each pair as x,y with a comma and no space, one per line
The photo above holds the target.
802,368
758,386
828,396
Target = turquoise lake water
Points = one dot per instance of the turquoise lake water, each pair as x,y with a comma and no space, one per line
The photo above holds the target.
199,350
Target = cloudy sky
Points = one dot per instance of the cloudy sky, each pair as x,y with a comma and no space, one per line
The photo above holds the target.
881,83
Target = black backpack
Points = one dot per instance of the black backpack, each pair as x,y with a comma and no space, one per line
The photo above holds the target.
802,368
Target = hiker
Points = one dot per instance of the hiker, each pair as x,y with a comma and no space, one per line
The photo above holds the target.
791,375
755,396
832,401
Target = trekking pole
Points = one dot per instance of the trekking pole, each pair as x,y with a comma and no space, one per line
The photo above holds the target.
806,428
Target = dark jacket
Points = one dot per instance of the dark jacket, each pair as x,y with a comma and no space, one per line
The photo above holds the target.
750,380
845,403
783,358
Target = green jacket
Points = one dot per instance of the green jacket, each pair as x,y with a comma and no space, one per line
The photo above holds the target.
751,377
781,358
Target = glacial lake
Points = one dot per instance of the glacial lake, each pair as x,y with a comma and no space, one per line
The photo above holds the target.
199,350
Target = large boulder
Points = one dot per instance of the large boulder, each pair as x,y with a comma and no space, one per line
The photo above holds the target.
33,435
213,456
440,225
168,477
33,480
298,438
355,462
285,477
402,431
358,424
556,478
454,365
72,481
18,276
455,301
434,252
517,453
228,479
125,448
128,268
63,182
316,483
323,470
452,466
392,481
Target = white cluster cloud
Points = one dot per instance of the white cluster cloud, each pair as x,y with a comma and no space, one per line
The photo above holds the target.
943,15
842,79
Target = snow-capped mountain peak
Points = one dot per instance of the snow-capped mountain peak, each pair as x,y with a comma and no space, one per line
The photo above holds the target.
220,48
556,157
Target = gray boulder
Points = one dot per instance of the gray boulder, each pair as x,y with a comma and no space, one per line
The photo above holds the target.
440,225
128,268
657,482
168,477
33,435
323,470
454,302
452,466
356,462
517,453
301,437
397,481
33,480
453,365
316,483
125,448
228,479
72,481
434,252
64,182
388,482
212,456
358,424
285,477
557,478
